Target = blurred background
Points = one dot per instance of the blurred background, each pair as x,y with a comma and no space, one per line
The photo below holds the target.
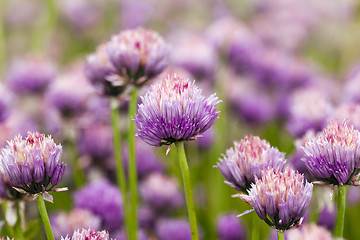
282,69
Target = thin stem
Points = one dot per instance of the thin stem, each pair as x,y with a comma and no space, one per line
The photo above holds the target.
40,34
188,189
19,234
255,228
280,235
339,229
132,166
45,218
120,174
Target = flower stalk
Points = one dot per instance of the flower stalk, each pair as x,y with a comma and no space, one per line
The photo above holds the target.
132,166
45,218
280,235
188,189
339,229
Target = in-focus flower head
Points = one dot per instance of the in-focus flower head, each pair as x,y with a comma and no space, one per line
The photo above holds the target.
65,223
280,198
90,234
334,155
245,161
138,53
101,73
174,110
32,164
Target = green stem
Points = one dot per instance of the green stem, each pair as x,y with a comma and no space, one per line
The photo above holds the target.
41,33
45,218
132,166
339,229
19,234
280,235
9,229
120,174
188,189
255,228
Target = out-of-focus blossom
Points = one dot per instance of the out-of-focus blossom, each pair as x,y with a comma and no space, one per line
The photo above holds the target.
101,73
207,139
174,110
327,217
32,164
137,53
81,13
352,86
63,224
229,228
251,103
146,217
309,110
146,160
351,112
296,159
84,234
309,232
122,235
173,229
161,193
243,163
69,93
93,141
334,155
25,10
5,101
103,199
30,74
130,17
196,55
280,198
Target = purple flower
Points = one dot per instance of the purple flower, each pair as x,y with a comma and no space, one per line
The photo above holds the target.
30,74
280,198
137,53
327,217
309,232
351,112
32,164
5,102
66,223
172,229
161,193
146,160
334,155
102,75
229,228
103,199
310,109
196,55
174,110
84,234
69,93
243,163
122,235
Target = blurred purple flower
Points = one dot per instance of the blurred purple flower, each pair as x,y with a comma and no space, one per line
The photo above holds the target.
309,232
196,55
351,112
5,102
243,163
69,93
174,110
101,73
137,53
122,235
327,217
229,228
103,199
30,74
280,198
173,229
161,193
66,223
309,110
334,155
32,164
